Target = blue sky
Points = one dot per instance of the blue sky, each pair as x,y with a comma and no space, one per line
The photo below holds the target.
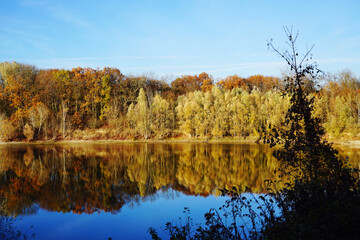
177,37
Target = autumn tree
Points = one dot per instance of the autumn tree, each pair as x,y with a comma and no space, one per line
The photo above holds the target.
139,115
38,116
207,81
239,109
127,90
106,96
187,109
7,129
17,91
338,104
92,99
262,83
232,82
62,77
220,114
189,83
157,86
115,109
162,116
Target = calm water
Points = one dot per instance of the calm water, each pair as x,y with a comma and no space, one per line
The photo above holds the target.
96,191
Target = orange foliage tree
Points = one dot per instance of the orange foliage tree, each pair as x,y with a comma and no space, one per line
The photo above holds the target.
232,82
187,83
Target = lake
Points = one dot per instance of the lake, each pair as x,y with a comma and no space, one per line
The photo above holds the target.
97,191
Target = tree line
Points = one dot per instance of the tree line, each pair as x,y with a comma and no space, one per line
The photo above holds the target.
43,104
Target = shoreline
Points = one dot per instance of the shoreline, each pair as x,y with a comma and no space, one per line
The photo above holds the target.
99,141
346,143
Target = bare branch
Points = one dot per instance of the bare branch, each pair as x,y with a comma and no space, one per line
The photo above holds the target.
306,55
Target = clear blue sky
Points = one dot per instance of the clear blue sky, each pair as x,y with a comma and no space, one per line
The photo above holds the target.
176,37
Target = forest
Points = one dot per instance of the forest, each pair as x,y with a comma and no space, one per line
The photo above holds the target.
90,104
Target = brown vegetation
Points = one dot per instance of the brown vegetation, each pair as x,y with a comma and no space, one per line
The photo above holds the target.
90,104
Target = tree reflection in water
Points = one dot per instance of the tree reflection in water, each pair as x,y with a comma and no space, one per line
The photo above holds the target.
90,178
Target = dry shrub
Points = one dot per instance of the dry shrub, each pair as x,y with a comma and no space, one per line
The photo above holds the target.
93,123
28,132
7,130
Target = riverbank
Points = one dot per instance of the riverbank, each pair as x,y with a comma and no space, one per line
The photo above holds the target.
347,143
169,140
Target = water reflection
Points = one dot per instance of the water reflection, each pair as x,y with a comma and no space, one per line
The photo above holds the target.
89,178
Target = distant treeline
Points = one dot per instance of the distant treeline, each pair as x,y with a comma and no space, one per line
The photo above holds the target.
58,104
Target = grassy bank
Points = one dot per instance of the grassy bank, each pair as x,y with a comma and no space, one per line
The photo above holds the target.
106,136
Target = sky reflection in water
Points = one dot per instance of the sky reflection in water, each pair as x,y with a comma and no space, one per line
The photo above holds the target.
132,222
